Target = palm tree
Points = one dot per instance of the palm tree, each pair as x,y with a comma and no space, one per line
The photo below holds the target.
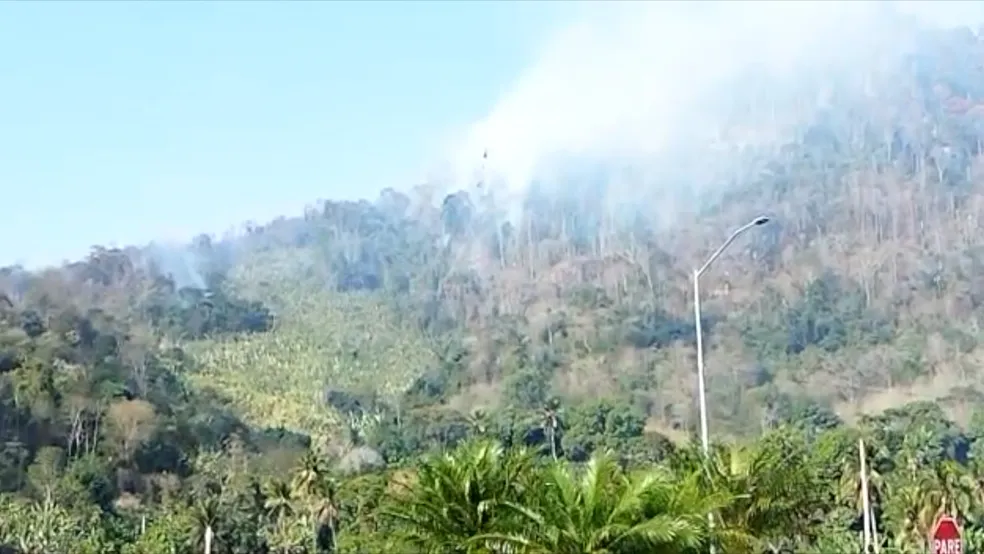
918,496
777,496
849,487
956,490
908,514
603,510
310,471
478,422
290,536
948,487
326,513
313,482
461,495
206,515
551,422
279,500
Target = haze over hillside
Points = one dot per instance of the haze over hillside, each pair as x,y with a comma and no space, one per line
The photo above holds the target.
610,169
536,290
670,99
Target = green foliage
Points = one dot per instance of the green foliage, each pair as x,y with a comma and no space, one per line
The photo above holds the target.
831,314
417,375
599,426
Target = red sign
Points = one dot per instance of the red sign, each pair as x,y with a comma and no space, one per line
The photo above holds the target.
946,537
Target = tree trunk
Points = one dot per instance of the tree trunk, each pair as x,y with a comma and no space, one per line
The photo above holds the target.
553,441
208,539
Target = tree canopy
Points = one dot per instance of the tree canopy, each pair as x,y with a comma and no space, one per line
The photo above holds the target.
459,374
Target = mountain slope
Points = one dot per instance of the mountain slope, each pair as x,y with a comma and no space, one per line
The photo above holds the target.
863,290
401,317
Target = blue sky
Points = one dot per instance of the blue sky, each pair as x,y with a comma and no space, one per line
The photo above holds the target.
122,122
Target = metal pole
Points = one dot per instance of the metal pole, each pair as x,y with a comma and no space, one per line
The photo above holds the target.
698,331
704,440
702,397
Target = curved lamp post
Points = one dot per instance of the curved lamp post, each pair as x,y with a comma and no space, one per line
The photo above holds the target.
704,441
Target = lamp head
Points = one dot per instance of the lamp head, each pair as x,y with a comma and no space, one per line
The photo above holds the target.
761,220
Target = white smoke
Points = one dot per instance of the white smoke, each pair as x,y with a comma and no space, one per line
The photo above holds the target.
635,82
178,262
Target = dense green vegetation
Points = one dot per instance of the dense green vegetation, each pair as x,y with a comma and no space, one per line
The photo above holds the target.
418,375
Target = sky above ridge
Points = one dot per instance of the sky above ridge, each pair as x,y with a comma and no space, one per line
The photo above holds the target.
126,122
123,122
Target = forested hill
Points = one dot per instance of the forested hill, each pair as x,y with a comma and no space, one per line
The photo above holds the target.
372,332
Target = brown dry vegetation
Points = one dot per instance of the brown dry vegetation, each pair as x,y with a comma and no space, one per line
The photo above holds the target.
866,290
386,330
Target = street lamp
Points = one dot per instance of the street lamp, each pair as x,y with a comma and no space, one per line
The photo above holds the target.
704,441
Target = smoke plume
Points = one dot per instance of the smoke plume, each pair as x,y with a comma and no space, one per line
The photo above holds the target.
670,97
